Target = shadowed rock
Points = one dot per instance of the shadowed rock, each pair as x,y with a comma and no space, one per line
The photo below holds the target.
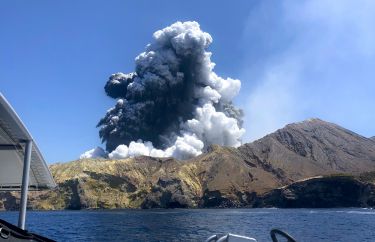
322,192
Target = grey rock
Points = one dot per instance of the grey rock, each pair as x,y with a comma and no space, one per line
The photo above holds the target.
322,192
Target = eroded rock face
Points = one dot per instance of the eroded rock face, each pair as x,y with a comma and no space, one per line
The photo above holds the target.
8,201
322,192
169,193
222,177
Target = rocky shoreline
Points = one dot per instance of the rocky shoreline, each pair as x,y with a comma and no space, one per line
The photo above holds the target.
336,191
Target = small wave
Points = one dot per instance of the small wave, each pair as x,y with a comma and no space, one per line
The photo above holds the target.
361,212
244,212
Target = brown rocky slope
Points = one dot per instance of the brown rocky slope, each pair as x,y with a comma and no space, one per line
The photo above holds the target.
222,177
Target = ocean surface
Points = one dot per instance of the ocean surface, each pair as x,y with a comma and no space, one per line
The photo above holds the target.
197,224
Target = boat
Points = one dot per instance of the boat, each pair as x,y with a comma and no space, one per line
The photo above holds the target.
22,168
274,233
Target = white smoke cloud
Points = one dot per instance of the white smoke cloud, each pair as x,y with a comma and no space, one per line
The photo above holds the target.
215,127
174,101
185,147
97,152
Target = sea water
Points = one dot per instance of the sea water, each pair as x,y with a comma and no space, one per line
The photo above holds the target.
197,224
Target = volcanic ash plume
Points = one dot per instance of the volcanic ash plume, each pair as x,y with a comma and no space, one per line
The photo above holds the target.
173,104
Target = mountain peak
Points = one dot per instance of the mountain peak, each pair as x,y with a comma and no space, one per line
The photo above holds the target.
314,120
311,122
315,147
319,127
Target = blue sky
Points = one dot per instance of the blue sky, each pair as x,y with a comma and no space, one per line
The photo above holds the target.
296,60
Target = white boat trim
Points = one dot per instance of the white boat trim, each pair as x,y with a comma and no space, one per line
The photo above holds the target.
22,166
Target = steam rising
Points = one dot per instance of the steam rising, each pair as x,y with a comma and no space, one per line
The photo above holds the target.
94,153
173,104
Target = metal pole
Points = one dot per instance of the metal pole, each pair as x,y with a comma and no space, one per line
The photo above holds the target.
25,184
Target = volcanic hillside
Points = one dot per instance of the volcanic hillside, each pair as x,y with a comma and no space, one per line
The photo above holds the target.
314,147
222,177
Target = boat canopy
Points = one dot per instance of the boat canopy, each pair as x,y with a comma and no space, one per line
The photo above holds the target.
14,139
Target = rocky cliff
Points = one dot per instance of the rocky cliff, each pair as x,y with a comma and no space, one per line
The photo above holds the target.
322,192
222,177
